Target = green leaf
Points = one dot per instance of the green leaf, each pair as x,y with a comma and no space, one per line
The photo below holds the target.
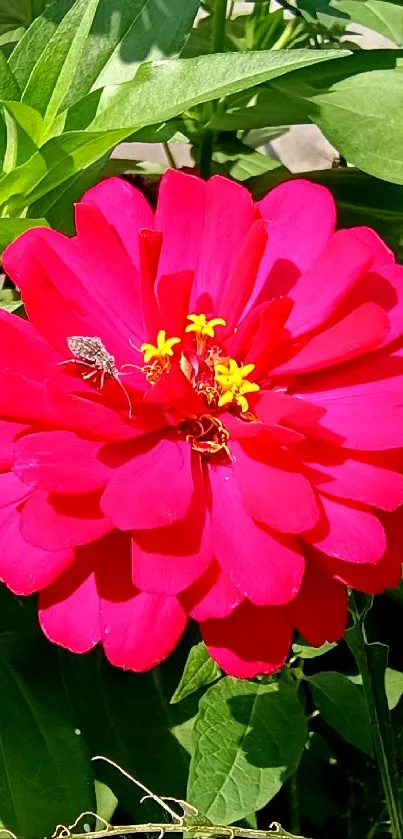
10,299
19,12
342,705
10,228
240,161
58,204
305,650
31,46
51,76
121,39
53,164
127,717
248,739
47,778
162,90
383,17
393,686
372,103
200,670
8,85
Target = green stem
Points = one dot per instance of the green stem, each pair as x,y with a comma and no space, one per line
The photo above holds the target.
219,21
381,726
217,45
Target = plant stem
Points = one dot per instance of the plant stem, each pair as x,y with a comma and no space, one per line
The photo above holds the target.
169,155
219,20
381,726
202,830
217,45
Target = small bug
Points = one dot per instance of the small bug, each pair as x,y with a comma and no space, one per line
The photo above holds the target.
91,352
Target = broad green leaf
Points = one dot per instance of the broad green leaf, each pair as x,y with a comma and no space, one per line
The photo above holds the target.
122,38
372,103
106,803
127,717
10,228
383,17
58,204
200,670
342,705
55,163
45,772
24,127
31,46
393,686
162,90
9,88
51,76
305,650
360,200
248,738
240,161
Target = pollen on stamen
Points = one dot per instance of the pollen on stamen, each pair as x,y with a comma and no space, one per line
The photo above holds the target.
201,326
232,380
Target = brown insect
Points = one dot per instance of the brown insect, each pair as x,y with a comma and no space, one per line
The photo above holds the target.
91,352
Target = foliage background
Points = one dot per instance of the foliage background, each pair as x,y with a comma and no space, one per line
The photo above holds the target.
76,79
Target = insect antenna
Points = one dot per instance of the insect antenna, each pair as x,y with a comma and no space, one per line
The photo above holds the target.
126,393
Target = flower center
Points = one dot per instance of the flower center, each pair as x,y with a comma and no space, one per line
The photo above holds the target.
219,378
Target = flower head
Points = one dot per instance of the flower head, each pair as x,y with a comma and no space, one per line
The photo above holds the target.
202,418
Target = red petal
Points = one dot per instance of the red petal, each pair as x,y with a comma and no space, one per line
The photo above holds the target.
251,641
154,489
69,609
267,569
24,567
61,462
59,522
361,331
138,630
319,611
348,533
273,489
211,596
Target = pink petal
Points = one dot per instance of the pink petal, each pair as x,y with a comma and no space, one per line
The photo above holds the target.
111,196
250,642
109,278
243,276
12,489
272,487
266,568
69,609
22,350
138,630
361,421
176,287
361,331
167,560
341,263
212,596
302,217
180,217
24,567
88,417
22,398
348,533
338,475
154,489
39,273
59,522
61,462
319,611
9,433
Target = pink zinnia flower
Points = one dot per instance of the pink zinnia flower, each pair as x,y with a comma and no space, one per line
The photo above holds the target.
204,418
